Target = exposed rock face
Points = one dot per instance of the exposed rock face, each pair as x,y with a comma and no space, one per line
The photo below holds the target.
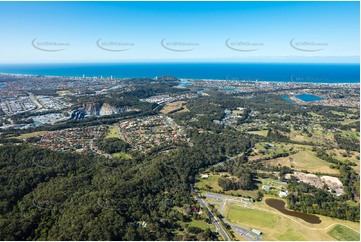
92,109
97,109
106,109
333,183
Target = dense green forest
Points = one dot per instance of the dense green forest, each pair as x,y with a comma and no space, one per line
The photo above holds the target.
66,196
309,199
113,145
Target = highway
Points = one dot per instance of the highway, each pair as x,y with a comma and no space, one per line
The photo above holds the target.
214,219
35,100
238,229
228,159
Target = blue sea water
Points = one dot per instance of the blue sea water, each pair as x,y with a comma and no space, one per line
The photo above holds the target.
309,97
292,72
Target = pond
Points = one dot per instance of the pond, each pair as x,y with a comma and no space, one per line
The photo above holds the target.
309,97
202,90
184,83
287,99
280,206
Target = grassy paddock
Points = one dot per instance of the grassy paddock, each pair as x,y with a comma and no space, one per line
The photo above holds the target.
33,134
263,133
64,92
318,137
122,155
113,132
252,217
343,233
350,121
291,235
276,226
238,112
212,181
199,224
337,153
171,107
304,160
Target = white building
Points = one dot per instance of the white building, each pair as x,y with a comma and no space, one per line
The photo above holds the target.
204,176
257,232
283,194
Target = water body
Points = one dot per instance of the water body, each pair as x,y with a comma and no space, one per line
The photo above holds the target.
309,97
2,85
202,90
279,72
184,83
287,99
280,206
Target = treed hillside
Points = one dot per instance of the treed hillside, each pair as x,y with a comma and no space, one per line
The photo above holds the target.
49,195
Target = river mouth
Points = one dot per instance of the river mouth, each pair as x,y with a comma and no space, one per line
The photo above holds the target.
280,206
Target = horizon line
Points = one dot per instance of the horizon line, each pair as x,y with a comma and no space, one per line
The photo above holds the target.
177,62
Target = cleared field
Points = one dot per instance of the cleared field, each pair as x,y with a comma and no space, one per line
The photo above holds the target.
351,134
291,235
317,137
343,233
251,217
33,134
172,107
276,226
350,121
238,112
313,114
199,224
304,160
342,114
263,133
211,181
113,132
64,92
122,155
264,150
244,193
354,157
354,110
275,184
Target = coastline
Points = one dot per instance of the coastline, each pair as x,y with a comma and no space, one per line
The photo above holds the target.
317,73
185,79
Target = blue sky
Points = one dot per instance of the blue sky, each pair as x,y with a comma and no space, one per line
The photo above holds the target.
191,31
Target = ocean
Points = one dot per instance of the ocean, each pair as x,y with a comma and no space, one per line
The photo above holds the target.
291,72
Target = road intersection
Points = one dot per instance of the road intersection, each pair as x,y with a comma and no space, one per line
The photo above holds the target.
223,199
